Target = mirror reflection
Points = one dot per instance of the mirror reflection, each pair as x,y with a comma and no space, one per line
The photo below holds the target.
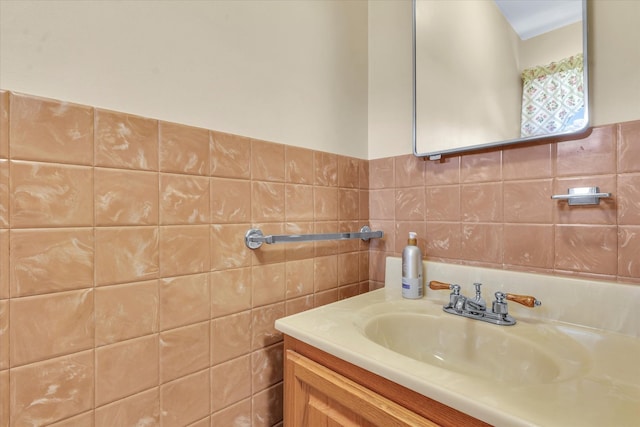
497,72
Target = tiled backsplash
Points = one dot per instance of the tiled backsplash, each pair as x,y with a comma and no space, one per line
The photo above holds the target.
493,208
127,295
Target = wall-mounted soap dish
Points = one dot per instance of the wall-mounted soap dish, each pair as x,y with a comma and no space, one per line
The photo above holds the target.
582,196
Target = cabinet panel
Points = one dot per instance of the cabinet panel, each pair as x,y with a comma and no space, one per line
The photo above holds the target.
324,411
316,396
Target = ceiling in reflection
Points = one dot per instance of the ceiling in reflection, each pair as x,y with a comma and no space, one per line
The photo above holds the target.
530,18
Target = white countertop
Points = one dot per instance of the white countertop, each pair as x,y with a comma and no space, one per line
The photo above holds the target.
605,391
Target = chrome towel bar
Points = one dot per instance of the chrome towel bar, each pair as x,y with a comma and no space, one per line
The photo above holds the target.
254,238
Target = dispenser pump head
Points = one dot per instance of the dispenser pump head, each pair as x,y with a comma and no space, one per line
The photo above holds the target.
413,238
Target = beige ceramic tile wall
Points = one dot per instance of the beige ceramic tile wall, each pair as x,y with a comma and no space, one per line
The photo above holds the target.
493,208
127,295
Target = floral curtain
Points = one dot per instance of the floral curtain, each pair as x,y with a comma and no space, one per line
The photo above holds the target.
552,97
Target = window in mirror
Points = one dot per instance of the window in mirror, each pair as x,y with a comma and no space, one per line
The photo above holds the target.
552,98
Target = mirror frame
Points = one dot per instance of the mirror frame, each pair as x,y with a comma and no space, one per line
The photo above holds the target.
437,155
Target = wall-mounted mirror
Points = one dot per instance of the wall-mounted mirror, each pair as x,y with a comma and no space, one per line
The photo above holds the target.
497,72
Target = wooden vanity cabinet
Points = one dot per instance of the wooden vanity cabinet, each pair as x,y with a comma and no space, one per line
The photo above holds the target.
323,390
321,397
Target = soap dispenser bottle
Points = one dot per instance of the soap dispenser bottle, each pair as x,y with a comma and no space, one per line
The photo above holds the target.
412,269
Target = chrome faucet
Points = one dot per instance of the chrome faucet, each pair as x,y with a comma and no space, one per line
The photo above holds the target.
477,304
476,308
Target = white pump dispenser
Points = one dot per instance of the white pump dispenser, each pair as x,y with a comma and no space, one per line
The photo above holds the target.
412,269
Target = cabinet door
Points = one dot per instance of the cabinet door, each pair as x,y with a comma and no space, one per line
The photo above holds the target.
316,396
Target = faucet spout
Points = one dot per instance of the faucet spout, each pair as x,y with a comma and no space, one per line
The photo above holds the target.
460,304
478,299
477,304
475,307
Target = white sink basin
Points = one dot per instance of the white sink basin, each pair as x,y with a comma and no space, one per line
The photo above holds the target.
522,354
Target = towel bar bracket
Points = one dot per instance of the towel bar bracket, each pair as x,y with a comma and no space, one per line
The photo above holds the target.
253,238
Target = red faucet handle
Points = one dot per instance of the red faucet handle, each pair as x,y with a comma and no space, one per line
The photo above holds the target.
438,286
526,300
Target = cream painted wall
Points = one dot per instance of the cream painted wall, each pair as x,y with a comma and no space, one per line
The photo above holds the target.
614,60
293,72
546,48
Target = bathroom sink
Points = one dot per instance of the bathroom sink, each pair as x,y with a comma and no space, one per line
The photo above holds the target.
572,361
528,353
